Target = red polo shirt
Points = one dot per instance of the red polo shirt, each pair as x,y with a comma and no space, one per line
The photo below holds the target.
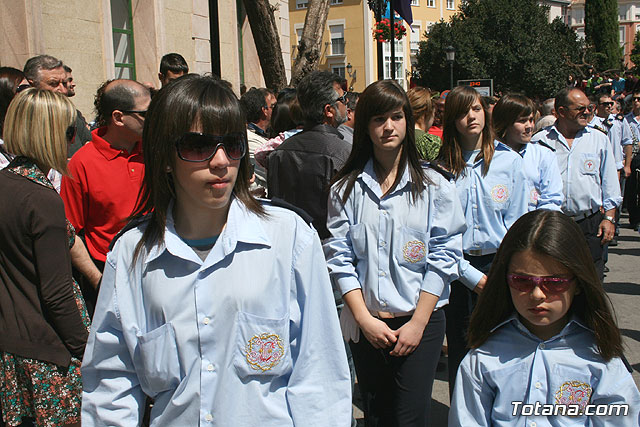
101,191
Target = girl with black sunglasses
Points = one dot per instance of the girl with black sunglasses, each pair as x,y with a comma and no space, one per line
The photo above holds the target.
216,305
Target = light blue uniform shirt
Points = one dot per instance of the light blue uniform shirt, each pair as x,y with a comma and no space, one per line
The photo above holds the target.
515,365
249,336
491,204
589,176
392,248
619,134
634,126
543,179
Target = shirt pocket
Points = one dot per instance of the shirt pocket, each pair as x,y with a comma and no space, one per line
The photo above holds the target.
509,383
411,249
589,164
158,355
570,386
358,236
262,346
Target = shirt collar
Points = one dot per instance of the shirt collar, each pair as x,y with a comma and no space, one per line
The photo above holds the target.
27,168
369,177
242,226
515,321
257,129
106,149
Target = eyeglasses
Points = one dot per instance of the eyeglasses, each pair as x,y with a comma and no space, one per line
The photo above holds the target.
200,147
636,98
22,87
548,285
606,104
342,98
142,113
71,133
583,109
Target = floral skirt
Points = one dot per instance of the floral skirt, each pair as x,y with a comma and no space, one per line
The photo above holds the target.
47,393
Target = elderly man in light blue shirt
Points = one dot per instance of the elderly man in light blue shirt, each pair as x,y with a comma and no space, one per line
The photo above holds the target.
588,170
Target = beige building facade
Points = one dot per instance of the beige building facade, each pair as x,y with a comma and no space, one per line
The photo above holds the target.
348,45
105,39
628,23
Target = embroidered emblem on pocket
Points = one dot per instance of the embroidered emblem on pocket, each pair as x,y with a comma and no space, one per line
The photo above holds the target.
500,193
534,197
589,165
574,393
264,351
414,251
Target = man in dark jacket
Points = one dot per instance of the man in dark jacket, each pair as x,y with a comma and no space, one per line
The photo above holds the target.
302,166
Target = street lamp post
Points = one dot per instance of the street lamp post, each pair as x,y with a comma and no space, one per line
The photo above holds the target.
450,51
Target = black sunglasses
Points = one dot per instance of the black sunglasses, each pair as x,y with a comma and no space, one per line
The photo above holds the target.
22,87
636,98
142,113
607,104
200,147
71,133
342,98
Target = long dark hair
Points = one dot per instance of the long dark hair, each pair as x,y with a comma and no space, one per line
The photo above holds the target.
204,100
508,109
559,237
378,98
459,101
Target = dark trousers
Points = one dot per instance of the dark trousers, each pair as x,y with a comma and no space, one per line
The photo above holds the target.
632,192
396,391
462,301
589,227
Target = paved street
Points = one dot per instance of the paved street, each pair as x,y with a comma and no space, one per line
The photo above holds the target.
622,284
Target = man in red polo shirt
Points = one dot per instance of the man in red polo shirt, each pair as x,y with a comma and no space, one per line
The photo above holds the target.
106,174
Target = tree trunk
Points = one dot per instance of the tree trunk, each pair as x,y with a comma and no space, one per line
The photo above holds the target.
310,45
267,39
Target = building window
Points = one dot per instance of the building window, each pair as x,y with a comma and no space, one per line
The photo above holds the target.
415,39
431,3
580,32
123,48
622,38
415,3
335,2
451,4
301,4
337,39
339,70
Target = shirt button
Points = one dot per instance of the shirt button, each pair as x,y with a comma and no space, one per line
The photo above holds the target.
133,170
533,424
384,304
382,243
382,274
210,367
477,227
206,320
208,418
538,385
384,212
541,346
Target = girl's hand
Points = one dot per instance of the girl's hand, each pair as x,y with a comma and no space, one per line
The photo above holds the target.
409,336
378,333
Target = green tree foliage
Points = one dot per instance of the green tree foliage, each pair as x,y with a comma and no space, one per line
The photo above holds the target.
601,32
510,41
635,53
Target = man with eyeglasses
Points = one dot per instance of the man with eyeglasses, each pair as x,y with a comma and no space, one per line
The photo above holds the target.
301,167
106,174
632,162
588,170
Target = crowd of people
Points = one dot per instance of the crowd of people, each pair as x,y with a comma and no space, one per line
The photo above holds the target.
194,258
